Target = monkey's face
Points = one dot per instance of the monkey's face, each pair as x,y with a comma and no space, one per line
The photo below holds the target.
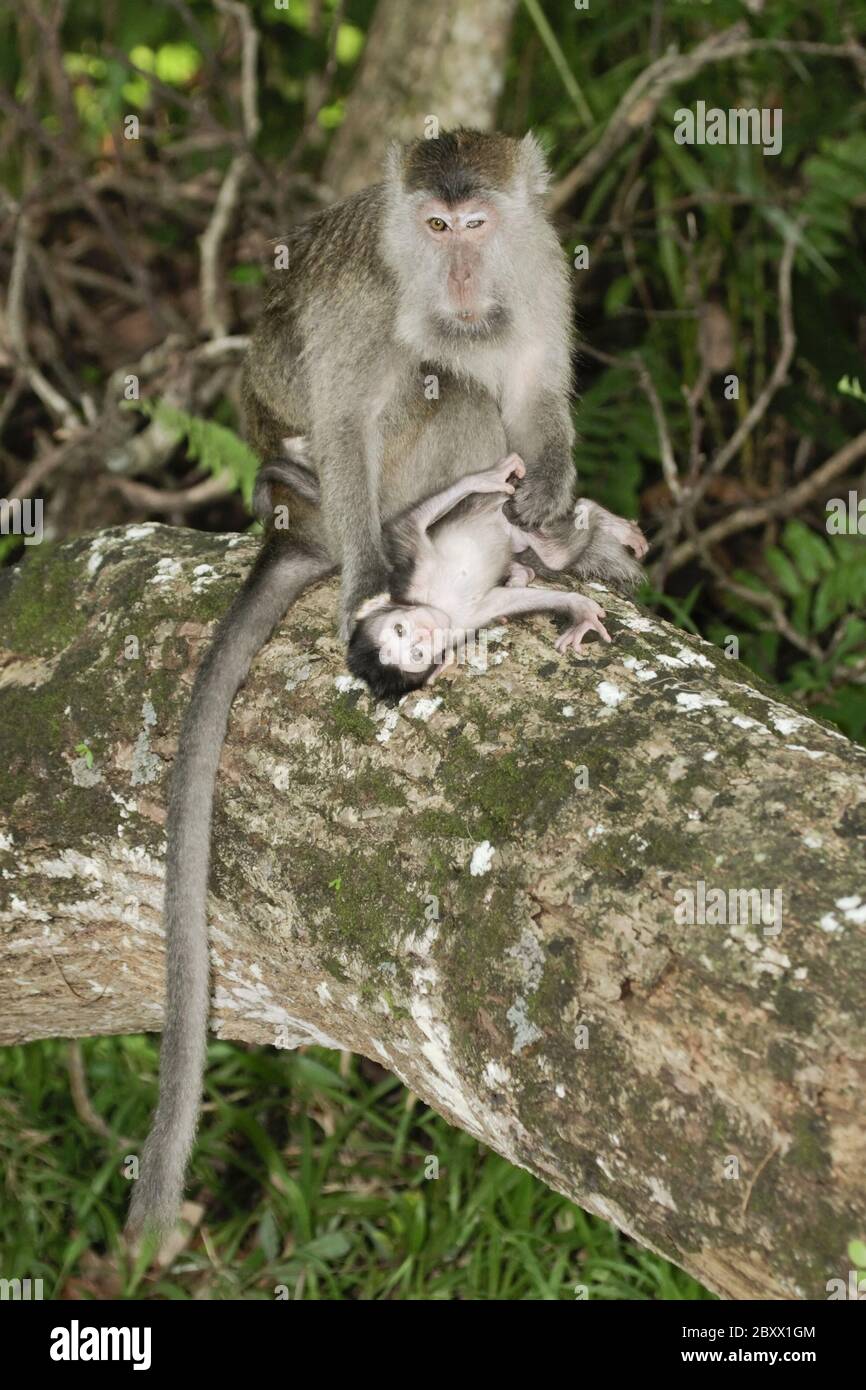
458,237
410,638
456,263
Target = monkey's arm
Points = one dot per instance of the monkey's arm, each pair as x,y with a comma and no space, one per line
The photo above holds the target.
585,613
541,432
432,509
404,533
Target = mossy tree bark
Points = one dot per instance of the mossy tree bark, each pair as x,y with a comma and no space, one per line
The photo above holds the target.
479,890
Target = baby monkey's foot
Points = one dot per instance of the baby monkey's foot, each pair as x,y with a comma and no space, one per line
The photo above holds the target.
519,576
587,618
495,479
629,533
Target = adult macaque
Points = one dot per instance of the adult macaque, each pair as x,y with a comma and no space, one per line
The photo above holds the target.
447,275
450,265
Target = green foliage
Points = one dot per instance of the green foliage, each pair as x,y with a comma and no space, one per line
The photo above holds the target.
215,447
705,225
318,1177
84,752
821,585
847,387
617,443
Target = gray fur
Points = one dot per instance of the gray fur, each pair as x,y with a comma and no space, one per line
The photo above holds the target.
349,338
455,569
359,320
279,576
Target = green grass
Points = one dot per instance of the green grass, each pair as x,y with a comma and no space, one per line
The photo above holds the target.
314,1175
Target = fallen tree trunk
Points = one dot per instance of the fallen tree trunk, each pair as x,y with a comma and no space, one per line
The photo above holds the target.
506,891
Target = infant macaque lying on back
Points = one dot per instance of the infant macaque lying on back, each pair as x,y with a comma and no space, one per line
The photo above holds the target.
454,568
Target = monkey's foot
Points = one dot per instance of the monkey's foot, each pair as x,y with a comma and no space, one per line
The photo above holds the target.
519,576
628,533
588,616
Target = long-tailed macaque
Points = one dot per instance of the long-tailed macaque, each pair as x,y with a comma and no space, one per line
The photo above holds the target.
446,278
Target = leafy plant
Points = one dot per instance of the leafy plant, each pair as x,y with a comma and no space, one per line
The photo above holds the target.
215,447
821,586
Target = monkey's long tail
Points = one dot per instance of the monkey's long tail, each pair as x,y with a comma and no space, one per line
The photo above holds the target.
281,573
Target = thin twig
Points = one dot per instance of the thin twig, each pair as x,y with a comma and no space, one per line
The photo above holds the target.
214,314
669,463
81,1098
790,501
154,499
16,333
639,104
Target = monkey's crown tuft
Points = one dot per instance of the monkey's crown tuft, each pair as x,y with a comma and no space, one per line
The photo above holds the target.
460,164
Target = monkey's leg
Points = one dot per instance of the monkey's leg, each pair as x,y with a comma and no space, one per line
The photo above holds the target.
282,571
590,542
519,576
348,461
555,546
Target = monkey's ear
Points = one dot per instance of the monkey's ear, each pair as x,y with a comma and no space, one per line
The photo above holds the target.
532,166
372,605
394,163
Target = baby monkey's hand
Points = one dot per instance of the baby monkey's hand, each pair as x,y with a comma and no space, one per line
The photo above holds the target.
495,479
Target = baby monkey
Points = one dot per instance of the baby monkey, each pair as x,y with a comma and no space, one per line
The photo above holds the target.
458,563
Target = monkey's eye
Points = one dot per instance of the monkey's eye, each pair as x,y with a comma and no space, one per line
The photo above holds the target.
436,224
476,222
399,630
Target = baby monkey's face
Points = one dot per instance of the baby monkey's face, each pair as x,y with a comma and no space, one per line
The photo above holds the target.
411,638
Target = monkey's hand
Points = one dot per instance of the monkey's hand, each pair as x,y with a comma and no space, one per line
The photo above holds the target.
545,494
587,618
496,479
